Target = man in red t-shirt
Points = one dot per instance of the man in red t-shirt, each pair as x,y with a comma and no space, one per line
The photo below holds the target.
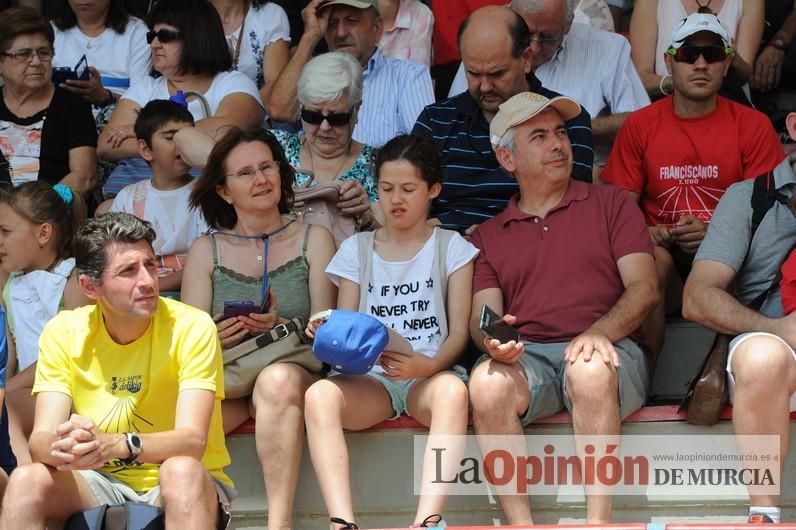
677,156
570,266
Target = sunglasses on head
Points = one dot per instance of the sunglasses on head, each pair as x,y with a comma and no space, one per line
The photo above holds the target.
313,117
690,54
163,35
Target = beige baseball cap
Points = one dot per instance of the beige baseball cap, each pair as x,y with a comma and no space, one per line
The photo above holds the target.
524,106
359,4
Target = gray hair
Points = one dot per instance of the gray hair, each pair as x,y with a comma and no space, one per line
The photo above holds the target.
535,6
508,141
330,76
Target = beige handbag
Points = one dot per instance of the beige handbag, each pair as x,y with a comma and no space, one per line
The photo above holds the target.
286,343
317,205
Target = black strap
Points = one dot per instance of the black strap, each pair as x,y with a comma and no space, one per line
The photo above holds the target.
279,332
764,197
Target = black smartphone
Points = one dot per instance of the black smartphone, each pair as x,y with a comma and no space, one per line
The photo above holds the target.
233,308
79,73
61,74
495,327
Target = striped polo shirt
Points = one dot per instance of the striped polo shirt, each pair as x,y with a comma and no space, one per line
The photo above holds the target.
475,187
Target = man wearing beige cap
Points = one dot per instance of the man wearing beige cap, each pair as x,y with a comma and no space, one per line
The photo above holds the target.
394,91
576,291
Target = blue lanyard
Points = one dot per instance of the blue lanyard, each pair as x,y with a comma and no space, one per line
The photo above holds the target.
264,237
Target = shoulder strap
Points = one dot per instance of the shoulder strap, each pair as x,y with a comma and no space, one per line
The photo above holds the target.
139,200
214,243
306,239
764,196
439,270
365,247
6,299
762,200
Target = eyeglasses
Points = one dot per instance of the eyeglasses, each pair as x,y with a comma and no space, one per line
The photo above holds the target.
546,42
163,35
337,119
268,169
690,54
26,55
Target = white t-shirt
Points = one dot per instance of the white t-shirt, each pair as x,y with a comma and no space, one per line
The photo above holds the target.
224,84
401,293
176,225
122,60
262,26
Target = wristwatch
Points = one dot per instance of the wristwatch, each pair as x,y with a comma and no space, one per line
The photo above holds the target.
134,445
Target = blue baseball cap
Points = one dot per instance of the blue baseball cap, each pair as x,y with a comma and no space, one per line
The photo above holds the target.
350,342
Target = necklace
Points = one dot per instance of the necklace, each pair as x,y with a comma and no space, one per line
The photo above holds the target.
239,43
704,8
265,236
346,155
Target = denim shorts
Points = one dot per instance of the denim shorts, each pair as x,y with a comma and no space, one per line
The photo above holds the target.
544,368
399,390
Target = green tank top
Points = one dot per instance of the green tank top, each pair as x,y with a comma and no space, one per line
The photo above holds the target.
289,282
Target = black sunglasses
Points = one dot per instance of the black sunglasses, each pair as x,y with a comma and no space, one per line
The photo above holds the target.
313,117
690,54
163,35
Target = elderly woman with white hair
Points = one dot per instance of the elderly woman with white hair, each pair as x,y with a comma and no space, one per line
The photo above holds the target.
330,93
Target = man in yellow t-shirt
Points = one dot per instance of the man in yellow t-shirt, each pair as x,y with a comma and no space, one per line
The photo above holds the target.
142,378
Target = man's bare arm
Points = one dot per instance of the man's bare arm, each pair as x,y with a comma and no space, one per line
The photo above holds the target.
641,295
191,426
604,128
282,104
706,300
52,409
79,444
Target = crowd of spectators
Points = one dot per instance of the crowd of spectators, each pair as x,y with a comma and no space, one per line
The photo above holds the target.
500,139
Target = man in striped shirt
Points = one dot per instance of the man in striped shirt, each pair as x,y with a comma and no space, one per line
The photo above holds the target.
495,46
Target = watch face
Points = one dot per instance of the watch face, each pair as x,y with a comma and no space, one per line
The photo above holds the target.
135,441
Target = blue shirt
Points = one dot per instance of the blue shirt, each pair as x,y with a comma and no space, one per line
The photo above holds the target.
393,94
475,187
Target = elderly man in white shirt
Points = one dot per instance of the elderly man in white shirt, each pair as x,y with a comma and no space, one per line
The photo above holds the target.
587,64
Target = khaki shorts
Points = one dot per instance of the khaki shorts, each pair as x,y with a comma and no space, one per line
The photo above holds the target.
544,368
109,490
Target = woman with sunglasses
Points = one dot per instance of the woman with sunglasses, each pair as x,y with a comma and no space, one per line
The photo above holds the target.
330,92
113,42
653,21
60,149
190,54
245,192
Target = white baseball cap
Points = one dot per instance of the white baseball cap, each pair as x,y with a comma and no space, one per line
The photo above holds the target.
696,22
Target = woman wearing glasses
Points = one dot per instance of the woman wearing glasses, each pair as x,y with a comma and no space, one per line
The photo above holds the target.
60,148
112,41
330,92
245,192
190,54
